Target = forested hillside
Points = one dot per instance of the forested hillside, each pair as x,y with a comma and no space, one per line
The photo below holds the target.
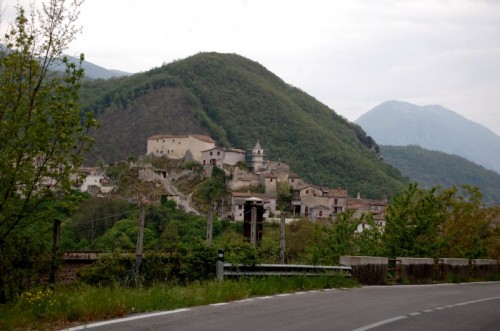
431,168
236,101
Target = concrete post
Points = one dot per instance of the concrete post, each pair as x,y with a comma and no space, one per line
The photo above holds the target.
219,266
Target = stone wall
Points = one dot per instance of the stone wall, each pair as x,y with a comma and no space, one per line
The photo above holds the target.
367,269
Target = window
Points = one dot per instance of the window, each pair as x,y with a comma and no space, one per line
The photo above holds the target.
335,201
271,180
320,213
218,153
240,206
293,180
211,153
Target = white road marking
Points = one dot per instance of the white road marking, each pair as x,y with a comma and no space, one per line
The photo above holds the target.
476,301
244,300
219,304
374,325
131,318
390,320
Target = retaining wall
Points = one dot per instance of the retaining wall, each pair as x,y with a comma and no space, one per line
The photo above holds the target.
483,268
455,269
367,269
416,270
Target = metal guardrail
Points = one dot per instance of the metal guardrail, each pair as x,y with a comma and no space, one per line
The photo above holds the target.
241,270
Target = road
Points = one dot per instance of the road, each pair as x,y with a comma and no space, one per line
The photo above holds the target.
470,306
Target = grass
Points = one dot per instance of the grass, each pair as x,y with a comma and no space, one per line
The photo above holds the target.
79,304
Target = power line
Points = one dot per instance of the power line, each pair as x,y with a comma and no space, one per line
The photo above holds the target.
111,216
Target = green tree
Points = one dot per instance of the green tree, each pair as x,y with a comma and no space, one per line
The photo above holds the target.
42,131
369,241
466,230
284,197
334,239
211,190
413,221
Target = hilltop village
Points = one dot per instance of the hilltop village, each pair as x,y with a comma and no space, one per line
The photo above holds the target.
308,201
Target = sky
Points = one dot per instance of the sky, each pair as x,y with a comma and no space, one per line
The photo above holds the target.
351,55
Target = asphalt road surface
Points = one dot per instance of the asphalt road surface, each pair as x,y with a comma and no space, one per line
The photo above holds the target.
470,306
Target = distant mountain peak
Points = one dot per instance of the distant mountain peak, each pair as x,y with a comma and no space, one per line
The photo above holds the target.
433,127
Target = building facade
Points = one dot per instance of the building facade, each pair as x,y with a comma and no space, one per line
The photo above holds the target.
179,146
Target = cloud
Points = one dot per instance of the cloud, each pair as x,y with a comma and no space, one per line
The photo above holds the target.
349,54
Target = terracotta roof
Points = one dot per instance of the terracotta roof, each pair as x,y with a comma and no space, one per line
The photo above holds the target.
87,169
161,136
337,193
308,185
196,136
211,149
293,175
204,138
365,202
270,175
235,150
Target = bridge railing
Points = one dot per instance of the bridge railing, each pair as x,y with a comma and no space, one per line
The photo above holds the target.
241,270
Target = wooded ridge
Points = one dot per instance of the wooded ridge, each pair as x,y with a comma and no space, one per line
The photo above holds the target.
236,101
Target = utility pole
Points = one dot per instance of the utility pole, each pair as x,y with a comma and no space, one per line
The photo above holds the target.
55,247
282,239
210,224
140,235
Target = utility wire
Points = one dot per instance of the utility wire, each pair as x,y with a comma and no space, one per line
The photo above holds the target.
111,216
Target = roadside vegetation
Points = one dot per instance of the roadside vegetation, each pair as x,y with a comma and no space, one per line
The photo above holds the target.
74,305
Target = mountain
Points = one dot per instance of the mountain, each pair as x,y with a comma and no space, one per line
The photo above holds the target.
432,168
93,71
432,127
236,101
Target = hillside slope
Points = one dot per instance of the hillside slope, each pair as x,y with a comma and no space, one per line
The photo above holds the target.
432,127
432,168
237,101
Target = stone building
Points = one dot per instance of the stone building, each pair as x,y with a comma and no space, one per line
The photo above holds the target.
179,146
220,156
